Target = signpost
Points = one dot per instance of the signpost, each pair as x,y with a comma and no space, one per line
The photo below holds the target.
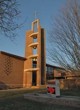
53,88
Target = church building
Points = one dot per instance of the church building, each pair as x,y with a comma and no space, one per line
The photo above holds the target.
28,71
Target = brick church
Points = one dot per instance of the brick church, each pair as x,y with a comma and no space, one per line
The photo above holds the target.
28,71
32,70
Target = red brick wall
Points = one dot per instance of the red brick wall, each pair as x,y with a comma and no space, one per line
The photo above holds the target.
69,83
11,72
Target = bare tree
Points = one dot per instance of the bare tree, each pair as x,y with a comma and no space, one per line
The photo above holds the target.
8,15
64,46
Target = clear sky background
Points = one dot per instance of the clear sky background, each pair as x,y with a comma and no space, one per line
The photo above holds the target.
46,9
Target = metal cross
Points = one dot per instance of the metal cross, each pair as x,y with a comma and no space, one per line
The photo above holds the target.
35,14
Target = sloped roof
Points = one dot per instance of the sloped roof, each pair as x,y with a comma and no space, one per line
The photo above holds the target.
56,67
12,55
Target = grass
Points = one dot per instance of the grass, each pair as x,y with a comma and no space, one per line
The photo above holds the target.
19,103
14,100
16,92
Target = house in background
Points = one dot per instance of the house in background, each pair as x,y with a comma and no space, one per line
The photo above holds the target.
68,79
55,72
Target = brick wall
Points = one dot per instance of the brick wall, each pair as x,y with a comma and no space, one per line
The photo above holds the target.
11,72
69,83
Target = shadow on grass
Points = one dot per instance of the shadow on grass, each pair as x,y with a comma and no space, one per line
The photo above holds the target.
14,100
19,103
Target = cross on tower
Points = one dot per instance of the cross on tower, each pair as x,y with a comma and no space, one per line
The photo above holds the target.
35,14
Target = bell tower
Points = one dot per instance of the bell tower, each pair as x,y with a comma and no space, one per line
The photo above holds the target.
35,64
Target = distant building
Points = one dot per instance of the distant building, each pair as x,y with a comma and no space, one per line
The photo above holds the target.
55,72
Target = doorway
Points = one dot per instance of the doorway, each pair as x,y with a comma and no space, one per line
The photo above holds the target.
34,78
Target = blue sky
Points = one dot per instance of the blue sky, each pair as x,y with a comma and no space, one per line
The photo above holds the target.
46,9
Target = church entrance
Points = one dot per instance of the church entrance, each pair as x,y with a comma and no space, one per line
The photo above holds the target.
34,83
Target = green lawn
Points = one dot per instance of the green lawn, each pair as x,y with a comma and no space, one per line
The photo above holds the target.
14,100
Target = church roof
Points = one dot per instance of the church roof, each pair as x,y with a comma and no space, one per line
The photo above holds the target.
12,55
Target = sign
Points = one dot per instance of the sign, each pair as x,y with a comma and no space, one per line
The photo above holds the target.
53,88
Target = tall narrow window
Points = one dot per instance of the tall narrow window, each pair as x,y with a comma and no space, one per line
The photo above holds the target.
34,50
34,39
35,27
34,63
